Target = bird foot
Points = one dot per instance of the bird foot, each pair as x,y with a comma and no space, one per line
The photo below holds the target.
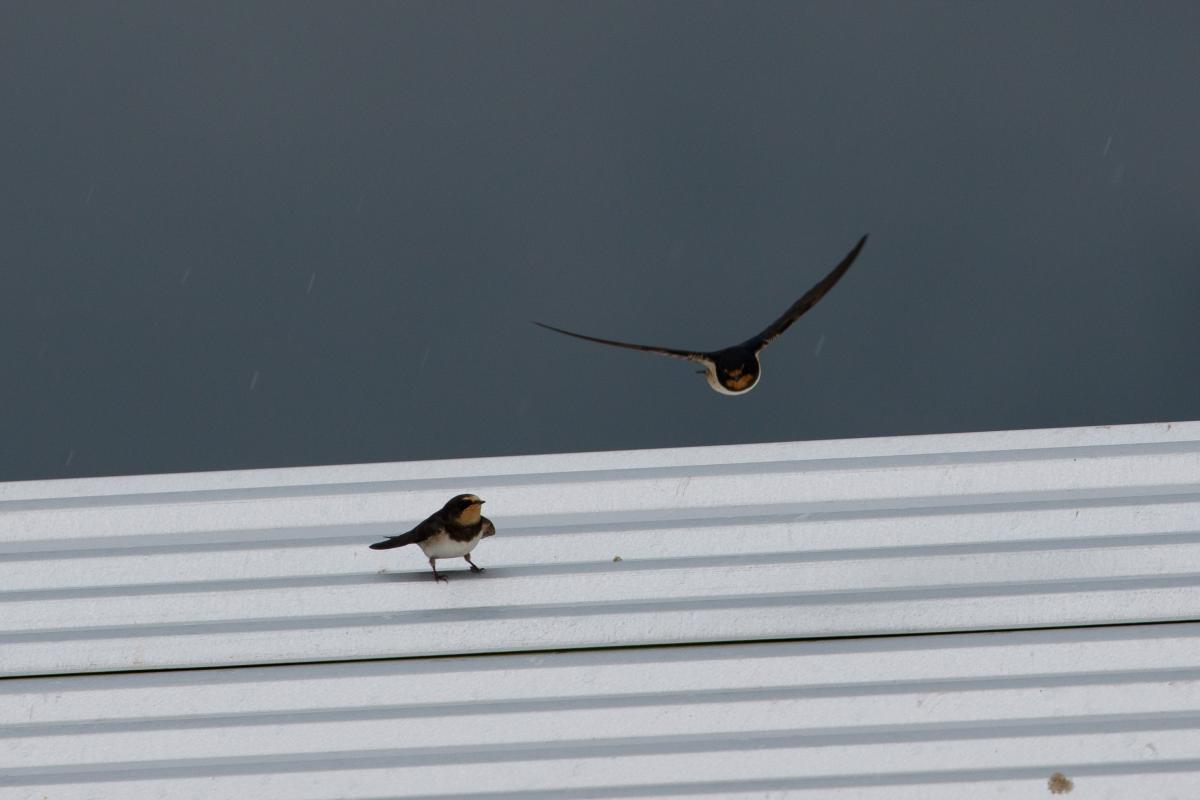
441,578
476,569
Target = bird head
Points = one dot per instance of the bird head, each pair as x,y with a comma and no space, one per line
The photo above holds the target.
464,508
732,376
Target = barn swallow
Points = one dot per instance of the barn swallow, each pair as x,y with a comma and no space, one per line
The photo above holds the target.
451,532
735,370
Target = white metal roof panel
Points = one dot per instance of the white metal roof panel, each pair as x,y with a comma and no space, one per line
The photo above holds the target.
905,535
1114,710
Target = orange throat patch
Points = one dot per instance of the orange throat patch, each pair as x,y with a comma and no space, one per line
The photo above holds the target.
737,381
470,515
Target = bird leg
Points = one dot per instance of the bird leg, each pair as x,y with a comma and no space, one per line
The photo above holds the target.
474,568
436,576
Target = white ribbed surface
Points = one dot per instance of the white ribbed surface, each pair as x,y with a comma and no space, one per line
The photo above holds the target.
928,535
1111,708
898,536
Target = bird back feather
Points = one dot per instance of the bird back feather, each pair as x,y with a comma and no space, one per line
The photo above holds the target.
417,534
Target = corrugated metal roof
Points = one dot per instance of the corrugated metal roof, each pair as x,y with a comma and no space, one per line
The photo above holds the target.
1114,710
894,536
823,540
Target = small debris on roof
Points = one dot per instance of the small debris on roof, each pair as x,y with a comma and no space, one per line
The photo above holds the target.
1060,784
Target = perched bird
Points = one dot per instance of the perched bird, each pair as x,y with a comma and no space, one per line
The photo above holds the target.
735,370
449,533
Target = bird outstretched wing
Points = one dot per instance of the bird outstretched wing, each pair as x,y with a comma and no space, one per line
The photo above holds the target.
418,534
810,299
687,355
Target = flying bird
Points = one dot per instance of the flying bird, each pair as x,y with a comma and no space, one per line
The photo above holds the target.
735,370
451,532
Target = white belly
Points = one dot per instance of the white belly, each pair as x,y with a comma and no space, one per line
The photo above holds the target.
442,546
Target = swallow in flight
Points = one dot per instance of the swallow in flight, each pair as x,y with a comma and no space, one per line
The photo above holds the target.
735,370
451,532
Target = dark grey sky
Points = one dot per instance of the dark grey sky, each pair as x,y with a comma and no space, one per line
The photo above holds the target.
266,234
